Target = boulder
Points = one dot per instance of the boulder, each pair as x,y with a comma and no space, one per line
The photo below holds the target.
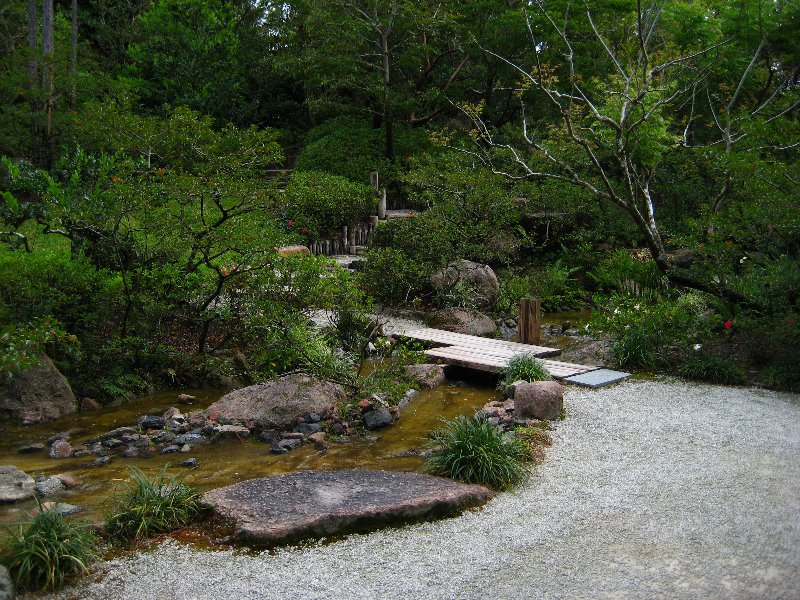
15,484
90,404
49,486
6,584
542,400
475,276
37,394
279,404
61,507
32,448
69,480
461,320
427,376
231,432
318,439
309,428
61,449
380,417
151,422
297,505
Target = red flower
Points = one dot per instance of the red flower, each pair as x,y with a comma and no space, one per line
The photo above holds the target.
728,324
304,230
790,322
290,223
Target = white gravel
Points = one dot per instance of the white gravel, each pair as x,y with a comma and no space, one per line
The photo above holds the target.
657,489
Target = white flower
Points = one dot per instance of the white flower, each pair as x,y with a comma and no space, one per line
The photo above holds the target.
697,347
616,311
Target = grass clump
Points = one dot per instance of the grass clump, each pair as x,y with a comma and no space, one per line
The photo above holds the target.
712,369
48,550
524,367
472,450
152,506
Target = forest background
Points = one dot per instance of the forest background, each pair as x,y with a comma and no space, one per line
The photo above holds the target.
639,159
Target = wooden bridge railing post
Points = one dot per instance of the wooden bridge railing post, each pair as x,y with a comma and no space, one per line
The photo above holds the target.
528,324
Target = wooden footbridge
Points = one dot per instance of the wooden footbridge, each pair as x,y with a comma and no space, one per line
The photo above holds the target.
491,355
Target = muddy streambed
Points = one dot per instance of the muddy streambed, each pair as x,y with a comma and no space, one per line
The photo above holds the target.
228,461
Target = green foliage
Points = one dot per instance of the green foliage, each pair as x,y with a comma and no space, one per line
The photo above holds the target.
622,273
474,451
524,367
712,369
320,204
553,284
51,282
152,506
47,551
535,435
187,54
646,335
346,148
393,277
21,346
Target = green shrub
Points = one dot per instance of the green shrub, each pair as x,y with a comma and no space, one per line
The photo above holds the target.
622,273
648,334
393,277
638,347
21,346
48,550
556,287
352,148
53,284
321,204
474,451
712,369
524,367
152,506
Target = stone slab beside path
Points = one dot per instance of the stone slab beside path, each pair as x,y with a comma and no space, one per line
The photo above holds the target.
289,507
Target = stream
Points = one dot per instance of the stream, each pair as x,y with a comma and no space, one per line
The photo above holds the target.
223,462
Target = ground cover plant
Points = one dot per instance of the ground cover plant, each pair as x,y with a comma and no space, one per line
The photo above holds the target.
151,506
524,367
49,550
473,450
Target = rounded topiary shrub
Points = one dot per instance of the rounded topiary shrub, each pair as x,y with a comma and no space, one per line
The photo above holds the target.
320,204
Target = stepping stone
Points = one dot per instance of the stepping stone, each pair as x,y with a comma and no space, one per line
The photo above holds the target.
597,378
290,507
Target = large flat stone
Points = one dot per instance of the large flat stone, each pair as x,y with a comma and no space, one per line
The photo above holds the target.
597,378
285,508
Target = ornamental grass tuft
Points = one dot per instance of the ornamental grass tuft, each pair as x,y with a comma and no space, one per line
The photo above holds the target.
473,450
152,506
524,367
48,550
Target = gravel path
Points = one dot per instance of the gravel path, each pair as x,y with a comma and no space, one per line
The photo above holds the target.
657,489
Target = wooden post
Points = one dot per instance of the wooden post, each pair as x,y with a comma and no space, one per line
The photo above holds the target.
373,179
528,324
382,205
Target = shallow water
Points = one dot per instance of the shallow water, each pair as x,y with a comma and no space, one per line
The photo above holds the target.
224,462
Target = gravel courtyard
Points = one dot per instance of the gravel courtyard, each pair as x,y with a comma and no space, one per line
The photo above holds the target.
652,489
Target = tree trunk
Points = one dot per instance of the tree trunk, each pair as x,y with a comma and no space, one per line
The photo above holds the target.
33,49
388,117
48,47
73,55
